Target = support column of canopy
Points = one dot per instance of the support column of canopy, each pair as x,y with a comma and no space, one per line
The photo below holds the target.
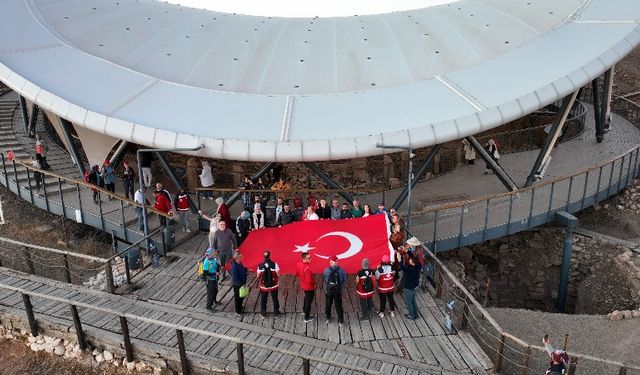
608,84
31,128
25,113
168,170
73,151
422,169
117,155
313,167
552,138
495,167
265,168
602,105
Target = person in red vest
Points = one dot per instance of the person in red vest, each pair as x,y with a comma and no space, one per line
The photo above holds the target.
268,272
365,284
182,207
162,204
307,283
386,285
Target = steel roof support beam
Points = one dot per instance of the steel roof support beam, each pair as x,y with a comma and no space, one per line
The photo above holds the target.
25,113
117,155
598,110
168,170
73,151
422,169
265,168
31,130
608,93
313,167
497,169
552,137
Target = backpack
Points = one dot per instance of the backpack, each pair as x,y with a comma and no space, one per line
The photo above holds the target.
333,283
367,284
201,276
267,276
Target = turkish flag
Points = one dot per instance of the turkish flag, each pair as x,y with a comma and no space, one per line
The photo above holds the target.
351,240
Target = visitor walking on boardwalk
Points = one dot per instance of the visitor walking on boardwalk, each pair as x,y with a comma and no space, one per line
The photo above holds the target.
492,150
559,359
307,284
163,205
334,279
182,208
211,271
386,286
365,284
469,152
128,179
93,178
42,149
206,179
224,241
258,217
140,199
410,283
145,165
36,162
238,279
268,273
109,176
243,226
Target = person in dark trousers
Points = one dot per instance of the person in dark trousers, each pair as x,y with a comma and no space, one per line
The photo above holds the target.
145,165
268,272
307,283
94,178
385,275
239,279
182,209
225,242
410,283
211,269
128,179
365,285
559,363
334,279
286,216
36,162
243,226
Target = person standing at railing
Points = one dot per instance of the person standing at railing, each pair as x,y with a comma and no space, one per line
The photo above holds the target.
469,152
93,177
559,359
36,162
145,165
282,188
258,217
183,208
247,201
410,283
163,205
492,150
323,211
128,179
206,179
109,177
140,199
42,149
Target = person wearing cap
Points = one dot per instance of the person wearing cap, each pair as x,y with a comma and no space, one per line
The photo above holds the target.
365,285
307,284
410,283
211,269
334,279
559,359
109,177
238,279
268,275
385,275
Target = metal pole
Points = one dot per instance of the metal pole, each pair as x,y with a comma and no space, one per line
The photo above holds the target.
31,131
80,203
596,111
422,169
409,186
500,173
240,353
115,158
329,181
184,362
82,342
566,263
172,176
66,132
67,273
25,114
28,307
124,325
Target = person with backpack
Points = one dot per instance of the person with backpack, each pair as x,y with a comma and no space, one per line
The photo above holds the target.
210,270
268,283
365,284
385,275
410,283
559,359
307,283
238,279
334,279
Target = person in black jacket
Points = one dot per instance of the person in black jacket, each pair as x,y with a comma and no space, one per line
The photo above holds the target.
239,279
286,216
410,283
243,226
323,212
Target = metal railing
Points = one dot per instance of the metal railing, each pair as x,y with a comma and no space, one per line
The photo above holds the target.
179,330
509,354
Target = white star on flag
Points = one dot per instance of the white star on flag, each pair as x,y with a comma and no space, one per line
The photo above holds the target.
303,249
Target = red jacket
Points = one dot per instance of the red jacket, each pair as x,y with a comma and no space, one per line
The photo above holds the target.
386,277
271,267
182,202
303,272
162,203
362,276
223,211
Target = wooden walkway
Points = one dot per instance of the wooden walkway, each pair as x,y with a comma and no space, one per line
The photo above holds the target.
419,349
423,340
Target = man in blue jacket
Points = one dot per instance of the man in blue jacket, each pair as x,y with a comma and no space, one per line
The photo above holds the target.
334,279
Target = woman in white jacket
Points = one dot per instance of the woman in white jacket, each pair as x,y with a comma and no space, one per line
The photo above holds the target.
206,179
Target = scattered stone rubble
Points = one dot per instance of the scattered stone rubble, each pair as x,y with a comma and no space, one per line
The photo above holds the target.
70,350
99,281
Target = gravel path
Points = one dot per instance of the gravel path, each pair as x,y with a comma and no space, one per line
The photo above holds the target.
589,334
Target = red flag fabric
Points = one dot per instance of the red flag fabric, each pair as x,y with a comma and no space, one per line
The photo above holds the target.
351,240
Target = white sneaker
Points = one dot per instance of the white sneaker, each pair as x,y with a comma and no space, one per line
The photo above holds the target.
381,315
392,314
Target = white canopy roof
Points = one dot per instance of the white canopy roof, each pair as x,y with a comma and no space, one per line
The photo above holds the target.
303,89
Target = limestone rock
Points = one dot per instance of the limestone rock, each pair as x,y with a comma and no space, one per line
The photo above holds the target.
100,358
131,365
108,356
635,313
616,315
59,350
627,314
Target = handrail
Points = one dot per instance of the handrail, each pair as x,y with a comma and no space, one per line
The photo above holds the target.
119,253
186,328
52,250
291,190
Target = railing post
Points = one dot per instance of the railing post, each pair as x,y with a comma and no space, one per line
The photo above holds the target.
465,313
109,275
29,184
553,185
67,274
15,175
64,211
510,213
240,352
461,225
613,164
46,197
435,230
584,192
82,341
306,366
599,181
486,221
499,353
635,164
124,225
127,272
622,371
525,362
620,175
569,194
439,285
100,210
565,342
28,307
29,260
127,340
183,353
4,169
80,203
